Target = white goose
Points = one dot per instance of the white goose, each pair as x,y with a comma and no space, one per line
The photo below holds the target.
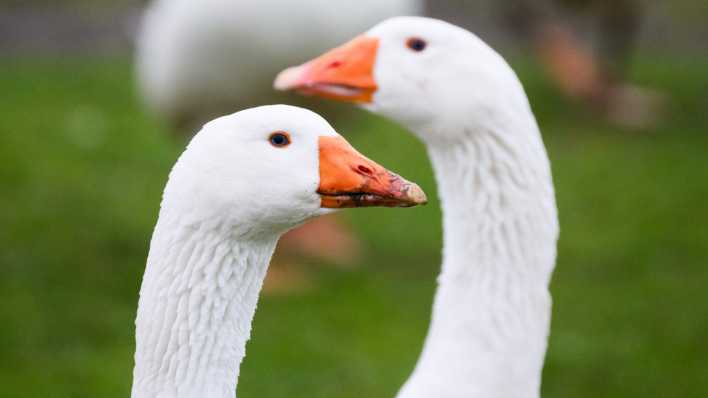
492,309
242,182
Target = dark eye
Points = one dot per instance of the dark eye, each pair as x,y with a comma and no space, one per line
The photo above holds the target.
279,139
416,44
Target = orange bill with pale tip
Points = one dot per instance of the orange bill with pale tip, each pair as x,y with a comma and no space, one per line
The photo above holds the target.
349,179
345,73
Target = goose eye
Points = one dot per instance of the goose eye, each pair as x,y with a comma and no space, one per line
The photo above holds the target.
279,139
416,44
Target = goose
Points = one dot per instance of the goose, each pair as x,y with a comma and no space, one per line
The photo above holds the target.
243,180
492,307
198,59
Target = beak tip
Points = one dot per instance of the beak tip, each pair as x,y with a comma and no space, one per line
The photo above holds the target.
287,79
416,195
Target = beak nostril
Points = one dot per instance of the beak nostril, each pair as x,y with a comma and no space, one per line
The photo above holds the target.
334,64
365,170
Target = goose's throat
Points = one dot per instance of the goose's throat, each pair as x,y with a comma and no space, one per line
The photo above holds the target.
491,311
498,207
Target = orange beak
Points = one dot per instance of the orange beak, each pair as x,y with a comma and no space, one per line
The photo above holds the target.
345,73
349,179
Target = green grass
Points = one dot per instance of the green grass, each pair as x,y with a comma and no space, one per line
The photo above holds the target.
82,168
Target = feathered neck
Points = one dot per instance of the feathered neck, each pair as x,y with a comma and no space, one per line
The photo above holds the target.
492,309
197,301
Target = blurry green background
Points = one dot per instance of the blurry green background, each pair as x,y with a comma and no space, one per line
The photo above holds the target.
82,167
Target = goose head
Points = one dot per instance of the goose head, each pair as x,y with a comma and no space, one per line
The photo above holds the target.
275,167
417,71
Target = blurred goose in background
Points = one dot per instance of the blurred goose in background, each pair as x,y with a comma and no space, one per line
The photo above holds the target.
492,308
198,59
242,182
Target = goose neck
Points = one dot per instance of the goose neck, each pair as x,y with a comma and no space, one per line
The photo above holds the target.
197,301
491,311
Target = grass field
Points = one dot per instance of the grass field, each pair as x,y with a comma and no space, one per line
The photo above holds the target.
82,168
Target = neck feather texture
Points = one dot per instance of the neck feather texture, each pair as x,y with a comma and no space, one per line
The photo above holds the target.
197,301
492,309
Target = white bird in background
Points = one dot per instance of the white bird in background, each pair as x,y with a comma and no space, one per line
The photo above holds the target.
242,182
198,59
492,309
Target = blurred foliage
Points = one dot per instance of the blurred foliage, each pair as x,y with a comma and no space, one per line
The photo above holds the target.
82,169
695,10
